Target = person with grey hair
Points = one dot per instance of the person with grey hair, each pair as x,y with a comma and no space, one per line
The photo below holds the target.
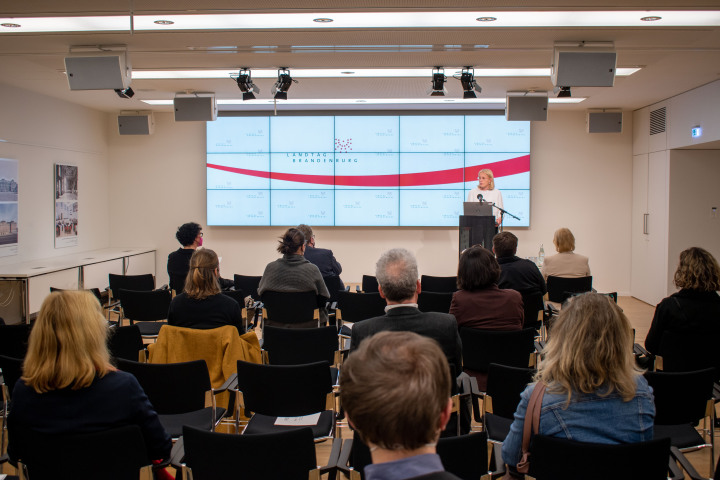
399,285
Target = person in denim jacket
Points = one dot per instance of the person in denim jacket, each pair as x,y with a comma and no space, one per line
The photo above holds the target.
595,393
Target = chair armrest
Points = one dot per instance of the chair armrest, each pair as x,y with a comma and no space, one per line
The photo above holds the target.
677,455
230,384
332,463
347,288
640,350
540,346
344,457
475,394
177,454
499,463
357,289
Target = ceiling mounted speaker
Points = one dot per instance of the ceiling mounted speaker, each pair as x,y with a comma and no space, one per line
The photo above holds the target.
136,123
583,67
604,121
526,106
98,71
195,107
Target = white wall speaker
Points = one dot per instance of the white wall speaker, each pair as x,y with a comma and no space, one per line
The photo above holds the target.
524,106
136,124
199,107
98,71
583,67
604,121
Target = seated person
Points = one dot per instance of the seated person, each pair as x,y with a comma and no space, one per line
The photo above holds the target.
395,389
516,273
68,384
594,393
322,258
566,263
695,308
293,272
202,304
190,237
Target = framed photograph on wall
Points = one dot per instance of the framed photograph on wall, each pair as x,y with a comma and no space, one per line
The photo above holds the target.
8,207
66,205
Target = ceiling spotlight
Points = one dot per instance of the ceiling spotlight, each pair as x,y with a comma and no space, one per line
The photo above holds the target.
283,84
467,79
437,88
562,92
246,85
125,92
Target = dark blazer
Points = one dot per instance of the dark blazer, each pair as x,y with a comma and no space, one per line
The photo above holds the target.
436,476
441,327
324,259
521,275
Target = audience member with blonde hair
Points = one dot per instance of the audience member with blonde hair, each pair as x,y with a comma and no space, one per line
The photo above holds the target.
68,384
595,393
486,189
696,307
566,263
202,305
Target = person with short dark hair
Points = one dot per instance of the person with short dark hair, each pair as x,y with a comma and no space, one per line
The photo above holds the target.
293,272
395,389
399,285
202,305
190,236
479,303
515,272
322,258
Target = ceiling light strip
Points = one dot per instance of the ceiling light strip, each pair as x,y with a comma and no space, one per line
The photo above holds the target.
366,101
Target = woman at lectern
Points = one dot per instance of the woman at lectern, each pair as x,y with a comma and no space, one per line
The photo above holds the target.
486,189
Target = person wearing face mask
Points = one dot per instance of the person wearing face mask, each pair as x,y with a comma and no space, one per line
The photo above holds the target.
486,188
190,236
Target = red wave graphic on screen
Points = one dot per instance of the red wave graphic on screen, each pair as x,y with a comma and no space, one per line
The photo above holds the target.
503,168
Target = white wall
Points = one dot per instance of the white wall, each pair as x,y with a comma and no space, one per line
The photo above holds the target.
578,180
40,131
694,180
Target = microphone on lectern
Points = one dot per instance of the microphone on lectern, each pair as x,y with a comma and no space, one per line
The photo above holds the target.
480,197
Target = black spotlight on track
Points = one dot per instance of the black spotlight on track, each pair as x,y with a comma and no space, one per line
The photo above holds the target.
246,85
467,79
562,92
438,83
125,92
283,84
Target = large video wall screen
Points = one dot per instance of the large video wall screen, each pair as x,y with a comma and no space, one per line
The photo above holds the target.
362,170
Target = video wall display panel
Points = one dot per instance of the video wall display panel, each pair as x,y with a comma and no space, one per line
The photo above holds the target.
414,170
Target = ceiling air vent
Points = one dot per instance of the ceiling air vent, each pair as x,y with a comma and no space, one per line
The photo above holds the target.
657,121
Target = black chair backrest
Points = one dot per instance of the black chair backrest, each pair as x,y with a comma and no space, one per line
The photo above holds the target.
295,346
94,291
681,397
290,307
115,454
265,388
248,284
504,385
11,371
213,455
435,301
125,342
429,283
171,387
145,281
145,306
560,288
237,295
532,305
562,459
14,340
360,306
685,351
483,347
334,284
369,284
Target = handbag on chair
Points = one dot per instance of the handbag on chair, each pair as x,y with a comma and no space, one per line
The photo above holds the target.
530,426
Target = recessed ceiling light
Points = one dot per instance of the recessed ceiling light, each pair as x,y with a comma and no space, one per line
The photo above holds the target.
164,22
651,19
11,25
486,19
347,73
322,20
373,101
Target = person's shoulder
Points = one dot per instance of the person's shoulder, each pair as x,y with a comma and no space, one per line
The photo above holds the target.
441,475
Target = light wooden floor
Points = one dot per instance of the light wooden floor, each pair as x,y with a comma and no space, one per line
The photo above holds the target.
640,315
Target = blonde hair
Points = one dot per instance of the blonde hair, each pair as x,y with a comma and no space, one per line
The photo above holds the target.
490,176
201,281
68,343
590,347
697,270
564,240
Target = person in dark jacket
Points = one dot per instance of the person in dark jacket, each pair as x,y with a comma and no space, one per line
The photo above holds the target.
190,236
516,273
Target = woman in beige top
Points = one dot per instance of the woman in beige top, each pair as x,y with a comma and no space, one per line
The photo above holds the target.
566,263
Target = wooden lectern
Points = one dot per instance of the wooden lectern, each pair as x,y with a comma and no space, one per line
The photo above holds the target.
477,225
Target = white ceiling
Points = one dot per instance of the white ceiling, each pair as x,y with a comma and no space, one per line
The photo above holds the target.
674,60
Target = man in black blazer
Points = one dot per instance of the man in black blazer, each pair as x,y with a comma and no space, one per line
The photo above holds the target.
323,258
399,285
